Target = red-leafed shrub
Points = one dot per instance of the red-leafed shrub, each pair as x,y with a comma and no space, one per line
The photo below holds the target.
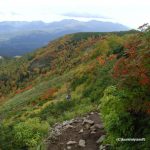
23,90
101,60
135,66
125,107
48,94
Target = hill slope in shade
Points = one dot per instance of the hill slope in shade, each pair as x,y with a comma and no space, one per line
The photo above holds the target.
18,38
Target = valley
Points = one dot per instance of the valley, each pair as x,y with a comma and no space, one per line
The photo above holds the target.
20,37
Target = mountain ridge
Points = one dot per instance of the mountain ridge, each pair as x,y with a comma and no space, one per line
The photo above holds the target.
11,32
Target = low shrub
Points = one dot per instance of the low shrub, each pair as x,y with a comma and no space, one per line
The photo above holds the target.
23,135
119,122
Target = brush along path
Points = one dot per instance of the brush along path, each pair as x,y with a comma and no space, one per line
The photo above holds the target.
83,133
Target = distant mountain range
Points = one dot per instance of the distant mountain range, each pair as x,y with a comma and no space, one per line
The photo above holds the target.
20,37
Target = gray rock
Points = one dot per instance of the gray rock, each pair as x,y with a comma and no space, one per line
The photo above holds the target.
99,126
68,126
67,122
68,147
101,139
71,142
102,147
77,120
92,128
87,126
92,113
86,121
81,131
93,132
82,143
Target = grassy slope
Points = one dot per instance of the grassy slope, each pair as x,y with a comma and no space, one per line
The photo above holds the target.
69,63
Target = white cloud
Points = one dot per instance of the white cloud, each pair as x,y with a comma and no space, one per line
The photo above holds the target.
130,12
85,15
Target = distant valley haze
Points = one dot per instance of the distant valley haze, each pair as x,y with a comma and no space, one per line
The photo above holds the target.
26,25
20,37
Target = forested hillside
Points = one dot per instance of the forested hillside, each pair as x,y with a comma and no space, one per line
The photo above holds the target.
105,72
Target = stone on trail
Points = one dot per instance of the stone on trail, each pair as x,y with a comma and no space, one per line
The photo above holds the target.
68,126
82,143
101,139
71,142
93,132
68,147
99,126
81,131
86,121
92,113
87,126
102,147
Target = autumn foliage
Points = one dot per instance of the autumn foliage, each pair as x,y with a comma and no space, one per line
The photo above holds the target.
49,93
101,60
23,90
133,69
133,66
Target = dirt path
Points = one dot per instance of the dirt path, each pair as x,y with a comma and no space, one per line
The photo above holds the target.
78,134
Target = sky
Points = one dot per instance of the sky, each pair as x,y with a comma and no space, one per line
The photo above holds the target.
131,13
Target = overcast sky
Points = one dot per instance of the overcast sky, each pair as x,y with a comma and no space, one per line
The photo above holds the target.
132,13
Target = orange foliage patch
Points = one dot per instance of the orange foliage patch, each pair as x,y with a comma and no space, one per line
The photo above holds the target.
101,60
112,57
132,66
49,93
144,80
25,89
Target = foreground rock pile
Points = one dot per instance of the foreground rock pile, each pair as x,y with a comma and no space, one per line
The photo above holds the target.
83,133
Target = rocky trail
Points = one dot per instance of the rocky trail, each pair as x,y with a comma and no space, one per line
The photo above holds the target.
82,133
